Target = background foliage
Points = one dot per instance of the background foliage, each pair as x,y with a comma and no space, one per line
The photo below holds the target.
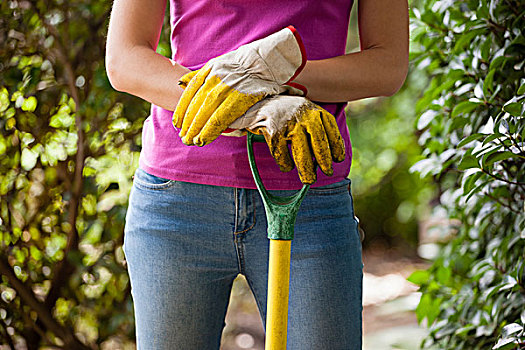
70,144
68,147
473,132
390,201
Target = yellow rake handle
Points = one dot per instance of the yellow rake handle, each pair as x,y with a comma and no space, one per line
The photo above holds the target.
278,288
280,214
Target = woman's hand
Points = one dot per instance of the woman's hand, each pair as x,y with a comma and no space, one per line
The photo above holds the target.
228,85
311,130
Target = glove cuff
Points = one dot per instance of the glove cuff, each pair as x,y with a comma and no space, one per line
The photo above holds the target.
303,57
282,53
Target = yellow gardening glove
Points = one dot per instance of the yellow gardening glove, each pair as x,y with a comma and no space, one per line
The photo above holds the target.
311,130
228,85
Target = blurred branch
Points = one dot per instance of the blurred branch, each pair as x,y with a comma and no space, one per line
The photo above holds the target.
502,179
26,294
32,331
508,206
93,28
8,340
64,269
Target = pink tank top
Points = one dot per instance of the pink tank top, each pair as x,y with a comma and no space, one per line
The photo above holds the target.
204,29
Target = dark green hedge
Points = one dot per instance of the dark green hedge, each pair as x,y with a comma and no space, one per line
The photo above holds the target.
471,119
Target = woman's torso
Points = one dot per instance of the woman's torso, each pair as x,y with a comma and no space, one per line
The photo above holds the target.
201,30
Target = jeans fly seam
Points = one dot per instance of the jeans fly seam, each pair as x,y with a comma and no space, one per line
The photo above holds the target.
236,238
254,218
240,254
236,218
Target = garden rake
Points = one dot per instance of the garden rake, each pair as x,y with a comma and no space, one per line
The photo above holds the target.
281,213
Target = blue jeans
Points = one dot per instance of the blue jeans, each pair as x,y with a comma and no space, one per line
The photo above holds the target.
185,244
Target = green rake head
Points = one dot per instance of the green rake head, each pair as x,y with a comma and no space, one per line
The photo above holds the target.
280,211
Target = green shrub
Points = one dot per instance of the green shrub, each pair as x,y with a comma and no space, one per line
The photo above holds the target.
68,147
471,118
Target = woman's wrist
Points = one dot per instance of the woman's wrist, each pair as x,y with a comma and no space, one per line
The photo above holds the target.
150,76
368,73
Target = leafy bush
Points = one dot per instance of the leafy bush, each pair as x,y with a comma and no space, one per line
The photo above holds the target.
68,147
473,132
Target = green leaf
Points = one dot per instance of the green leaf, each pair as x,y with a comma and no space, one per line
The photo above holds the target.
71,105
29,158
513,108
470,182
94,233
483,11
508,283
29,104
486,150
477,189
464,107
488,82
443,275
492,137
467,38
4,99
511,329
470,138
497,156
61,120
414,55
498,63
419,277
35,253
426,166
458,122
464,330
426,118
521,89
88,171
505,344
485,50
468,161
428,308
164,49
119,124
3,148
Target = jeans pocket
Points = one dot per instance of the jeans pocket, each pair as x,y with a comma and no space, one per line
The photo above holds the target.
143,179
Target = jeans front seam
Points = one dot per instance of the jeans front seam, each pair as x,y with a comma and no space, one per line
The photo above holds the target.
239,248
254,217
236,202
237,238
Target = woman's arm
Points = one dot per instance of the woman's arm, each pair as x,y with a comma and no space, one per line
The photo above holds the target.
379,69
132,64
